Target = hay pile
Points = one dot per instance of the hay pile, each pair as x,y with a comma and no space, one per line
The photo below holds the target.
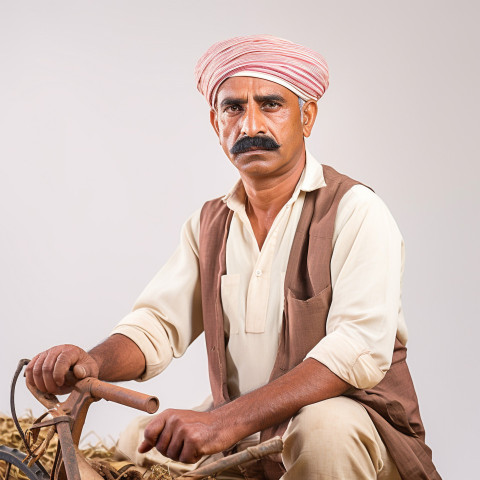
100,457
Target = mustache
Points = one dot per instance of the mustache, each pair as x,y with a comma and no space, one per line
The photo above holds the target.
244,144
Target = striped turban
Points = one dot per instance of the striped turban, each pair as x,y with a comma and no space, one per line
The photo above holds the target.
297,68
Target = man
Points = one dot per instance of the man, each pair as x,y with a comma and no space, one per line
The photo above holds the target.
295,277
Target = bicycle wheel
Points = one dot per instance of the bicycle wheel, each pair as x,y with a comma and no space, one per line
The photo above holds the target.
11,461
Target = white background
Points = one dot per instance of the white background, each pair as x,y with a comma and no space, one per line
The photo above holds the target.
106,148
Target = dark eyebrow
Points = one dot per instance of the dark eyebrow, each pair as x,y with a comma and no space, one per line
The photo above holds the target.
258,98
232,101
269,98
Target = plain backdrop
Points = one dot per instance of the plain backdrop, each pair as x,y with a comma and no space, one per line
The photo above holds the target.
106,149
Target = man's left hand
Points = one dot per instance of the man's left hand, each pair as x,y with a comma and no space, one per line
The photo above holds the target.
186,435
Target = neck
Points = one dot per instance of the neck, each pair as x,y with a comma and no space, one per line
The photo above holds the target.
266,197
270,193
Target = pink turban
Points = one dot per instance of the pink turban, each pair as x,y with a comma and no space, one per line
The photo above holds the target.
297,68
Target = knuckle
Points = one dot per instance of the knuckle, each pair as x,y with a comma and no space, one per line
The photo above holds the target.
183,430
169,413
47,368
37,368
195,436
62,356
196,441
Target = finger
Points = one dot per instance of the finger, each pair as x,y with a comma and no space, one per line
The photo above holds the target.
47,370
189,454
151,433
62,365
29,370
163,440
38,374
175,448
145,447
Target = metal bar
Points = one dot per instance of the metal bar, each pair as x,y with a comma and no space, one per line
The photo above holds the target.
124,396
52,421
275,445
68,451
22,363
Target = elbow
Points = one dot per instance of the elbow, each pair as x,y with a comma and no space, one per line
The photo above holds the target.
365,372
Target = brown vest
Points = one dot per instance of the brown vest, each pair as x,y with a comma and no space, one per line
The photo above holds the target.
392,404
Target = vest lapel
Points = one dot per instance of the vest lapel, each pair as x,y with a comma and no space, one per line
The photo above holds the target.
215,222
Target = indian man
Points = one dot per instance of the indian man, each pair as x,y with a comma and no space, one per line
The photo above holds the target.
294,276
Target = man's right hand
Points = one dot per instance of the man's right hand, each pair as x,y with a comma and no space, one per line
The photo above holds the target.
57,369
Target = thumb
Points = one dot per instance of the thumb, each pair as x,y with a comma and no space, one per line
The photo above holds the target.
81,371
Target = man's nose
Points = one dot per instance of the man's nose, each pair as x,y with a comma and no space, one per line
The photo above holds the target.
253,121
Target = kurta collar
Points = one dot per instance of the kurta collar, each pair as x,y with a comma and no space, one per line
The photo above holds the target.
311,179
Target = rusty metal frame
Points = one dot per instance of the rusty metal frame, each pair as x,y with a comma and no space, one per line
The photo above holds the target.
68,418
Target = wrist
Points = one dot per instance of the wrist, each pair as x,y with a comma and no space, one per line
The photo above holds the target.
97,360
231,419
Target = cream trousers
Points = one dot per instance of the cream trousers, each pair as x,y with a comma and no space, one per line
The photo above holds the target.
332,439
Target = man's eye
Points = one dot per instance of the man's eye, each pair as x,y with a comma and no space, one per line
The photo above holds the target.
272,105
233,108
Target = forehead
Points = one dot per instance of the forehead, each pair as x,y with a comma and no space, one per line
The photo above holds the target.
243,87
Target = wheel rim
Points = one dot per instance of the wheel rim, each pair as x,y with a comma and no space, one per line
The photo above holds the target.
13,457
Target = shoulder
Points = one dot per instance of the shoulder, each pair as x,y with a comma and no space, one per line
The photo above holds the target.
191,231
360,206
213,213
360,197
212,206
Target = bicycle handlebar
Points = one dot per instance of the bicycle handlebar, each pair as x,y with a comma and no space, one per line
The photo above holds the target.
98,389
117,394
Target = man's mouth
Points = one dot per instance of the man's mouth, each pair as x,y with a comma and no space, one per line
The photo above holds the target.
249,144
251,149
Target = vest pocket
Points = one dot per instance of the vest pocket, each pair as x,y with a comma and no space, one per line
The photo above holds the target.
230,291
306,324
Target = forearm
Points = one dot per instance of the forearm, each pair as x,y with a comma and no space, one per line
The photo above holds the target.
308,383
118,358
186,435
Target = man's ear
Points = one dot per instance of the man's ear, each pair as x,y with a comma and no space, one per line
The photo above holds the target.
310,110
214,121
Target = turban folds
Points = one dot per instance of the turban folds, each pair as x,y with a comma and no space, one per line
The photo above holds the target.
294,66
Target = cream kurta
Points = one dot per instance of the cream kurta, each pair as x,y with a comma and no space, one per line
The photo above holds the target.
365,314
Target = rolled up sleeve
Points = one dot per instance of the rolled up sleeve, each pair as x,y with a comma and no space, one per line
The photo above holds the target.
167,316
366,271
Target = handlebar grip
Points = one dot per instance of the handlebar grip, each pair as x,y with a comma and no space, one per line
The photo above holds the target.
124,396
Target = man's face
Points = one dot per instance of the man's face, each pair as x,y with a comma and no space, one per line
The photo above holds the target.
259,125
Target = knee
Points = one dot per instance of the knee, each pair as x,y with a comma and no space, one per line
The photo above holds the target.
327,425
